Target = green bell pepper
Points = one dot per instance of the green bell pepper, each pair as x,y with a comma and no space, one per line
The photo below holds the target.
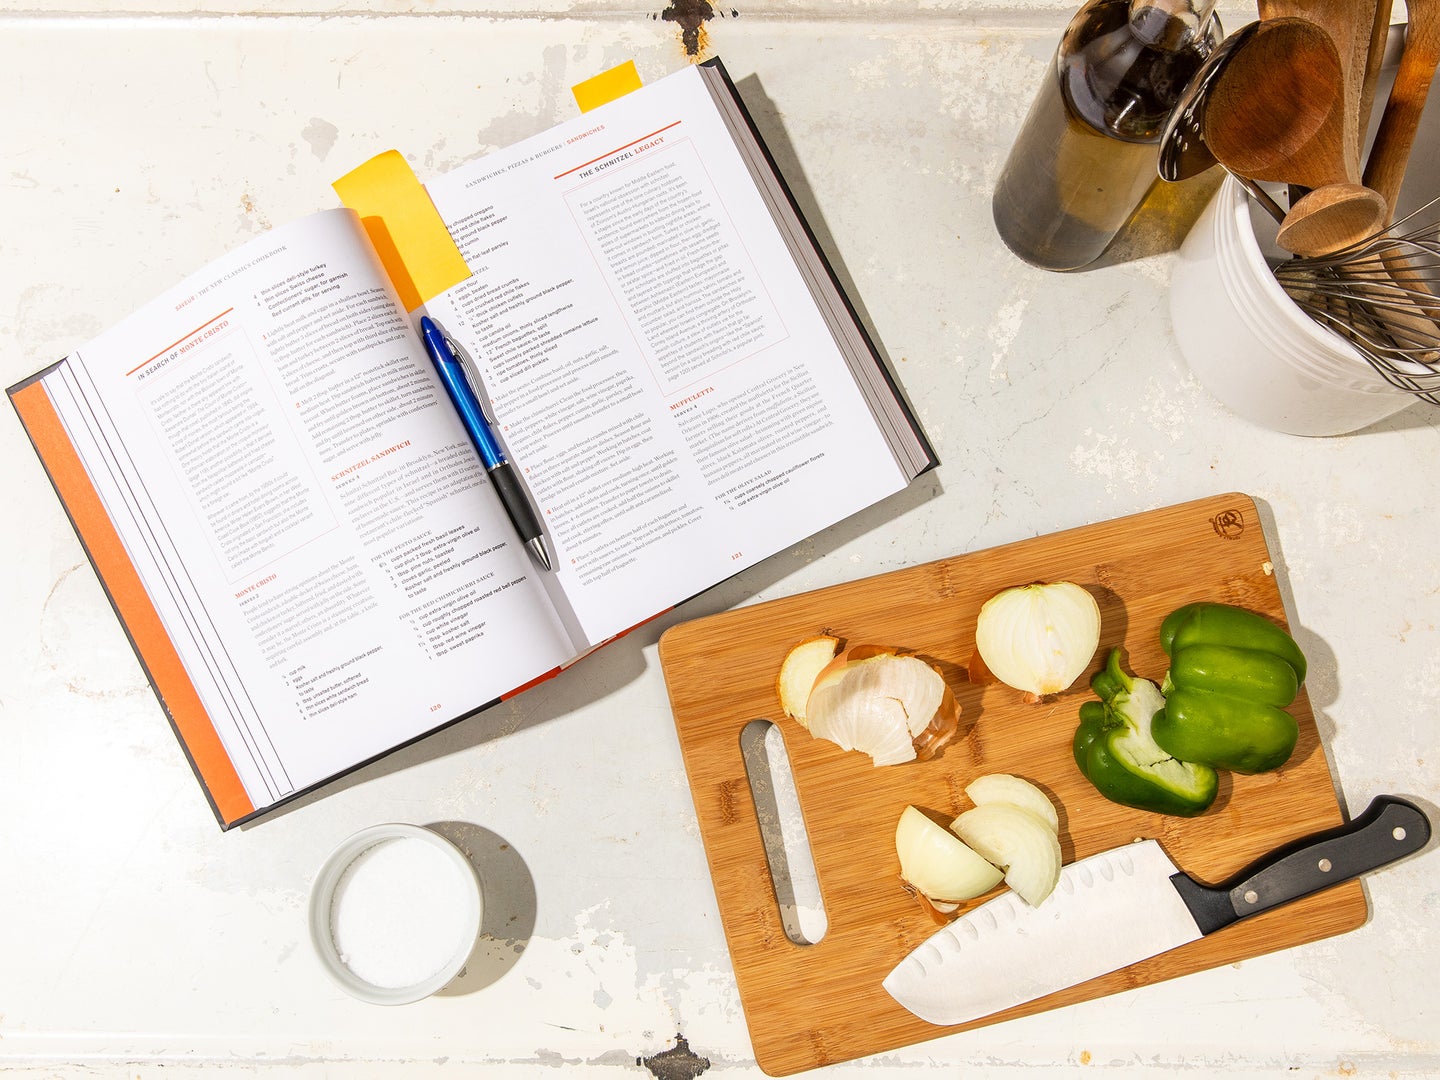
1116,753
1232,673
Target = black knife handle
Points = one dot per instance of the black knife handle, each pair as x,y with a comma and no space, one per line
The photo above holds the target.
1389,829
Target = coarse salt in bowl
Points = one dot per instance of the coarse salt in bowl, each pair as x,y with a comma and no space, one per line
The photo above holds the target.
394,913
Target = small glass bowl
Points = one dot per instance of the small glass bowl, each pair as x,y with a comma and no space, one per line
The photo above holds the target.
394,913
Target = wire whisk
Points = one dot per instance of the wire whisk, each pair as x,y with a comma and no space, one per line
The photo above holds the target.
1382,294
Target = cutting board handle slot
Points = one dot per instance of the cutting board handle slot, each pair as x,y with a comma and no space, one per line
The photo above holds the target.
782,830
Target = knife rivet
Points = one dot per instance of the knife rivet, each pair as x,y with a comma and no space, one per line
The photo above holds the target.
1251,896
1324,865
1398,832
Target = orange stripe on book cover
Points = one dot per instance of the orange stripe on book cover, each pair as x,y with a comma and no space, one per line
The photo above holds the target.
533,682
122,582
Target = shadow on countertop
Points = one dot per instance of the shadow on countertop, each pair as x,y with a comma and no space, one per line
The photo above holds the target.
508,912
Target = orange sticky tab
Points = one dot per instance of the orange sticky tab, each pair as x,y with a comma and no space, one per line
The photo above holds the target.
607,86
413,243
162,663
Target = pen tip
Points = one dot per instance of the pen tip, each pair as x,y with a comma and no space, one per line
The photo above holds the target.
537,549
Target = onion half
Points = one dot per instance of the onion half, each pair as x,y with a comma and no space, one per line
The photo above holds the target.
1038,638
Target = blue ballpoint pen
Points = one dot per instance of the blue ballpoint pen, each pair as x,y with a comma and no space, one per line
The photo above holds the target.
502,473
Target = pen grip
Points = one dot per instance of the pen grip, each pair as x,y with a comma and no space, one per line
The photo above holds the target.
516,501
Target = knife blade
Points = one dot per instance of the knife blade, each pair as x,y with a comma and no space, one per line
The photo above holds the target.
1125,905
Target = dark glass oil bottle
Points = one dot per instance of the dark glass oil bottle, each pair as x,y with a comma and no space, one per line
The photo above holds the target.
1087,152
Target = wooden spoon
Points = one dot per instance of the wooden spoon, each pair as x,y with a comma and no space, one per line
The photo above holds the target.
1331,217
1277,114
1398,123
1350,24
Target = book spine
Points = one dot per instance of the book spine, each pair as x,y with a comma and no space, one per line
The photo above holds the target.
126,592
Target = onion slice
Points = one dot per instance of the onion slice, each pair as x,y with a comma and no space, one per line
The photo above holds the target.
1014,838
1004,788
798,672
1038,638
938,864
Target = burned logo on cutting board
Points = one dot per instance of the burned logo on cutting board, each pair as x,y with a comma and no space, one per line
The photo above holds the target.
1229,524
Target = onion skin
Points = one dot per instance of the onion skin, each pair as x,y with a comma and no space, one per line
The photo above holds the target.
978,673
941,730
927,736
940,914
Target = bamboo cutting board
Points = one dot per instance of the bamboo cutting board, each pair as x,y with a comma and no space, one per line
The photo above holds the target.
817,1004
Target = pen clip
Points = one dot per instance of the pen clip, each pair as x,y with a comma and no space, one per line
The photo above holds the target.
472,379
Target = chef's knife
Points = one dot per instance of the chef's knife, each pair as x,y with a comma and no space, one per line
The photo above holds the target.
1122,906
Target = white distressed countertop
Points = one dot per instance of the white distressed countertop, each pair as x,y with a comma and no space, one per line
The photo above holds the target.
137,940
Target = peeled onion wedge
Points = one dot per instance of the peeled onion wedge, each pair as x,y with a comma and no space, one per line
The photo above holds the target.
938,863
893,707
1004,788
1017,840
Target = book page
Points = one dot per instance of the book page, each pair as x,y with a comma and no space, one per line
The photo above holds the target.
660,372
305,509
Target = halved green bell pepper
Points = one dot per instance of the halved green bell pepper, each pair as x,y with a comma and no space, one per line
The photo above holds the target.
1232,672
1114,749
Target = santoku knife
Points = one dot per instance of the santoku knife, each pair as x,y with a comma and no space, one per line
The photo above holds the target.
1122,906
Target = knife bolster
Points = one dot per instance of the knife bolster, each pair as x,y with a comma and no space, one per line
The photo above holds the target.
1210,907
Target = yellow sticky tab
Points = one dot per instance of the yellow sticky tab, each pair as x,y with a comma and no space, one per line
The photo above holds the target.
607,86
413,243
